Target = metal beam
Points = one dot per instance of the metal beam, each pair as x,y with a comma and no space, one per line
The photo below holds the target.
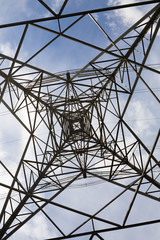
79,13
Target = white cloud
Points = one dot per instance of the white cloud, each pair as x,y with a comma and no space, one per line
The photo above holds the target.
95,15
35,230
140,114
57,4
7,49
3,152
12,8
127,16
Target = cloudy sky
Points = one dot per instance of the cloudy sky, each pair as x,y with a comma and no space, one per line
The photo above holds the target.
64,54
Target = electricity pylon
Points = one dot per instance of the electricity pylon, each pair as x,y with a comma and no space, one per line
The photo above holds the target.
83,114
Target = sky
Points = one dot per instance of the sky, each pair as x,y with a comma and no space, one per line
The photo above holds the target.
63,55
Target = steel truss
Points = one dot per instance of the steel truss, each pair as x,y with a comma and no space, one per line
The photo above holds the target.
83,113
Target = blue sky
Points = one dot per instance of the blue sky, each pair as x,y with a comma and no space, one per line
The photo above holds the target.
62,55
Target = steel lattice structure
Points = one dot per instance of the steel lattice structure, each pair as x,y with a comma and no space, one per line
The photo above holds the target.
87,136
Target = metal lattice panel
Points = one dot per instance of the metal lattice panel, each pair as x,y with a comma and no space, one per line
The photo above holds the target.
76,124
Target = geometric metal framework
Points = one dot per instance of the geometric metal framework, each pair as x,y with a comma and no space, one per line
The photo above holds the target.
88,138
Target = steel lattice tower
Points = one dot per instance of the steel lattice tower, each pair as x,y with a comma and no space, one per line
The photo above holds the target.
87,139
